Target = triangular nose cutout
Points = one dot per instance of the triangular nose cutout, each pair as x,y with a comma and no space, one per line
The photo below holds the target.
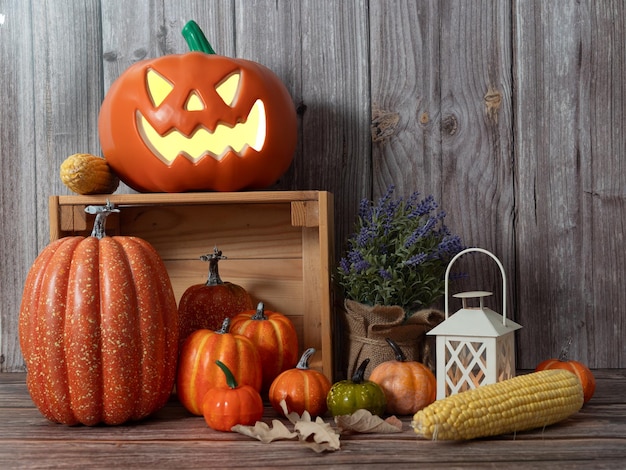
194,103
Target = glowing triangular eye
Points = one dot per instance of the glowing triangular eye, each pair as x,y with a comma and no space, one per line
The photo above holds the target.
194,103
158,87
228,89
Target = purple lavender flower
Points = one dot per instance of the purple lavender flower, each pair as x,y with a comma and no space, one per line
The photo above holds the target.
425,206
365,236
398,252
344,265
362,266
385,274
365,209
416,259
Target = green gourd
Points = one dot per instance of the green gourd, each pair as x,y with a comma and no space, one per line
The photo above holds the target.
347,396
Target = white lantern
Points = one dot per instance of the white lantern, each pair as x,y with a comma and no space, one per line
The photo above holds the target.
475,346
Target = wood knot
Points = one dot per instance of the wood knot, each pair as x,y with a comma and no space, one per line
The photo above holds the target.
301,108
449,125
384,124
493,100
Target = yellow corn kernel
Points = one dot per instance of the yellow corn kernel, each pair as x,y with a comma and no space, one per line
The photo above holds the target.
522,403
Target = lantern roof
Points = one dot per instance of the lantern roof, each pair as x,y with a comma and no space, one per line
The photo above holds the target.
475,322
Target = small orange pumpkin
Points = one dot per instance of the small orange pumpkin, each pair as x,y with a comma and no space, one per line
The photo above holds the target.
409,386
274,336
225,407
587,380
301,388
198,372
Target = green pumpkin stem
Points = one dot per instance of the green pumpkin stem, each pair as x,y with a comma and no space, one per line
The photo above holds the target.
214,278
196,40
303,363
225,327
230,378
359,375
260,312
400,357
102,212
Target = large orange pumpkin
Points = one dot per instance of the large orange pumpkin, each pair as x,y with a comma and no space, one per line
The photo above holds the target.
196,122
198,373
98,329
274,336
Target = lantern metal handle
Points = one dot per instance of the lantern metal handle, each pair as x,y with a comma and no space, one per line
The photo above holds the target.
480,250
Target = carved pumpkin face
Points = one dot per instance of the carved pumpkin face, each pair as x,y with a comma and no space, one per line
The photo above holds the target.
197,122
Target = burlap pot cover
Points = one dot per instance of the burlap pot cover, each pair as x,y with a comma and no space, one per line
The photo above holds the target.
368,326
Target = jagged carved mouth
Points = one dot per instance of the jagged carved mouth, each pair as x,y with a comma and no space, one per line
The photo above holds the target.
202,142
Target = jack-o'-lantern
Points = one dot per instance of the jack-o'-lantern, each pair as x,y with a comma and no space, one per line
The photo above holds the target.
198,122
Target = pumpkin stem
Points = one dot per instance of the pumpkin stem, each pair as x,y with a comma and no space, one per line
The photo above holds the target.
359,375
225,327
196,40
214,278
564,355
303,363
230,378
400,357
102,212
260,312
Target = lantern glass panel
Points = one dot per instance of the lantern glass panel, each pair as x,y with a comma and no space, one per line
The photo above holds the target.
506,357
465,364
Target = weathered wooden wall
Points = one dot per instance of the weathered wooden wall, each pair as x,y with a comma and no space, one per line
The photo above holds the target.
511,112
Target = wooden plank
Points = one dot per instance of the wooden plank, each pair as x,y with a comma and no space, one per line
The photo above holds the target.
442,121
604,185
242,231
405,76
258,197
570,194
335,106
326,262
592,438
67,92
240,454
18,167
477,190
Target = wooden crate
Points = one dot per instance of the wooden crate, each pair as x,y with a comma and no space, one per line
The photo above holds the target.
278,246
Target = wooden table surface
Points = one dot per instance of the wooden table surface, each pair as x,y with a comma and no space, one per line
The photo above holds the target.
593,438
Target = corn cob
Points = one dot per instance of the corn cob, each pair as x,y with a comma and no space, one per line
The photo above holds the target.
522,403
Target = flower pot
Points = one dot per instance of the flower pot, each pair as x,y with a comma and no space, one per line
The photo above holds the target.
367,327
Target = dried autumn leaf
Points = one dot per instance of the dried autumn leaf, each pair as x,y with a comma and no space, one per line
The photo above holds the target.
294,417
264,433
365,422
318,435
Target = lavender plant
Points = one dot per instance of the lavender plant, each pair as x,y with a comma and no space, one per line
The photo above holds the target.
399,253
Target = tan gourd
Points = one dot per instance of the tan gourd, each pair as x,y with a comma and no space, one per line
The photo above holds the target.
88,174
